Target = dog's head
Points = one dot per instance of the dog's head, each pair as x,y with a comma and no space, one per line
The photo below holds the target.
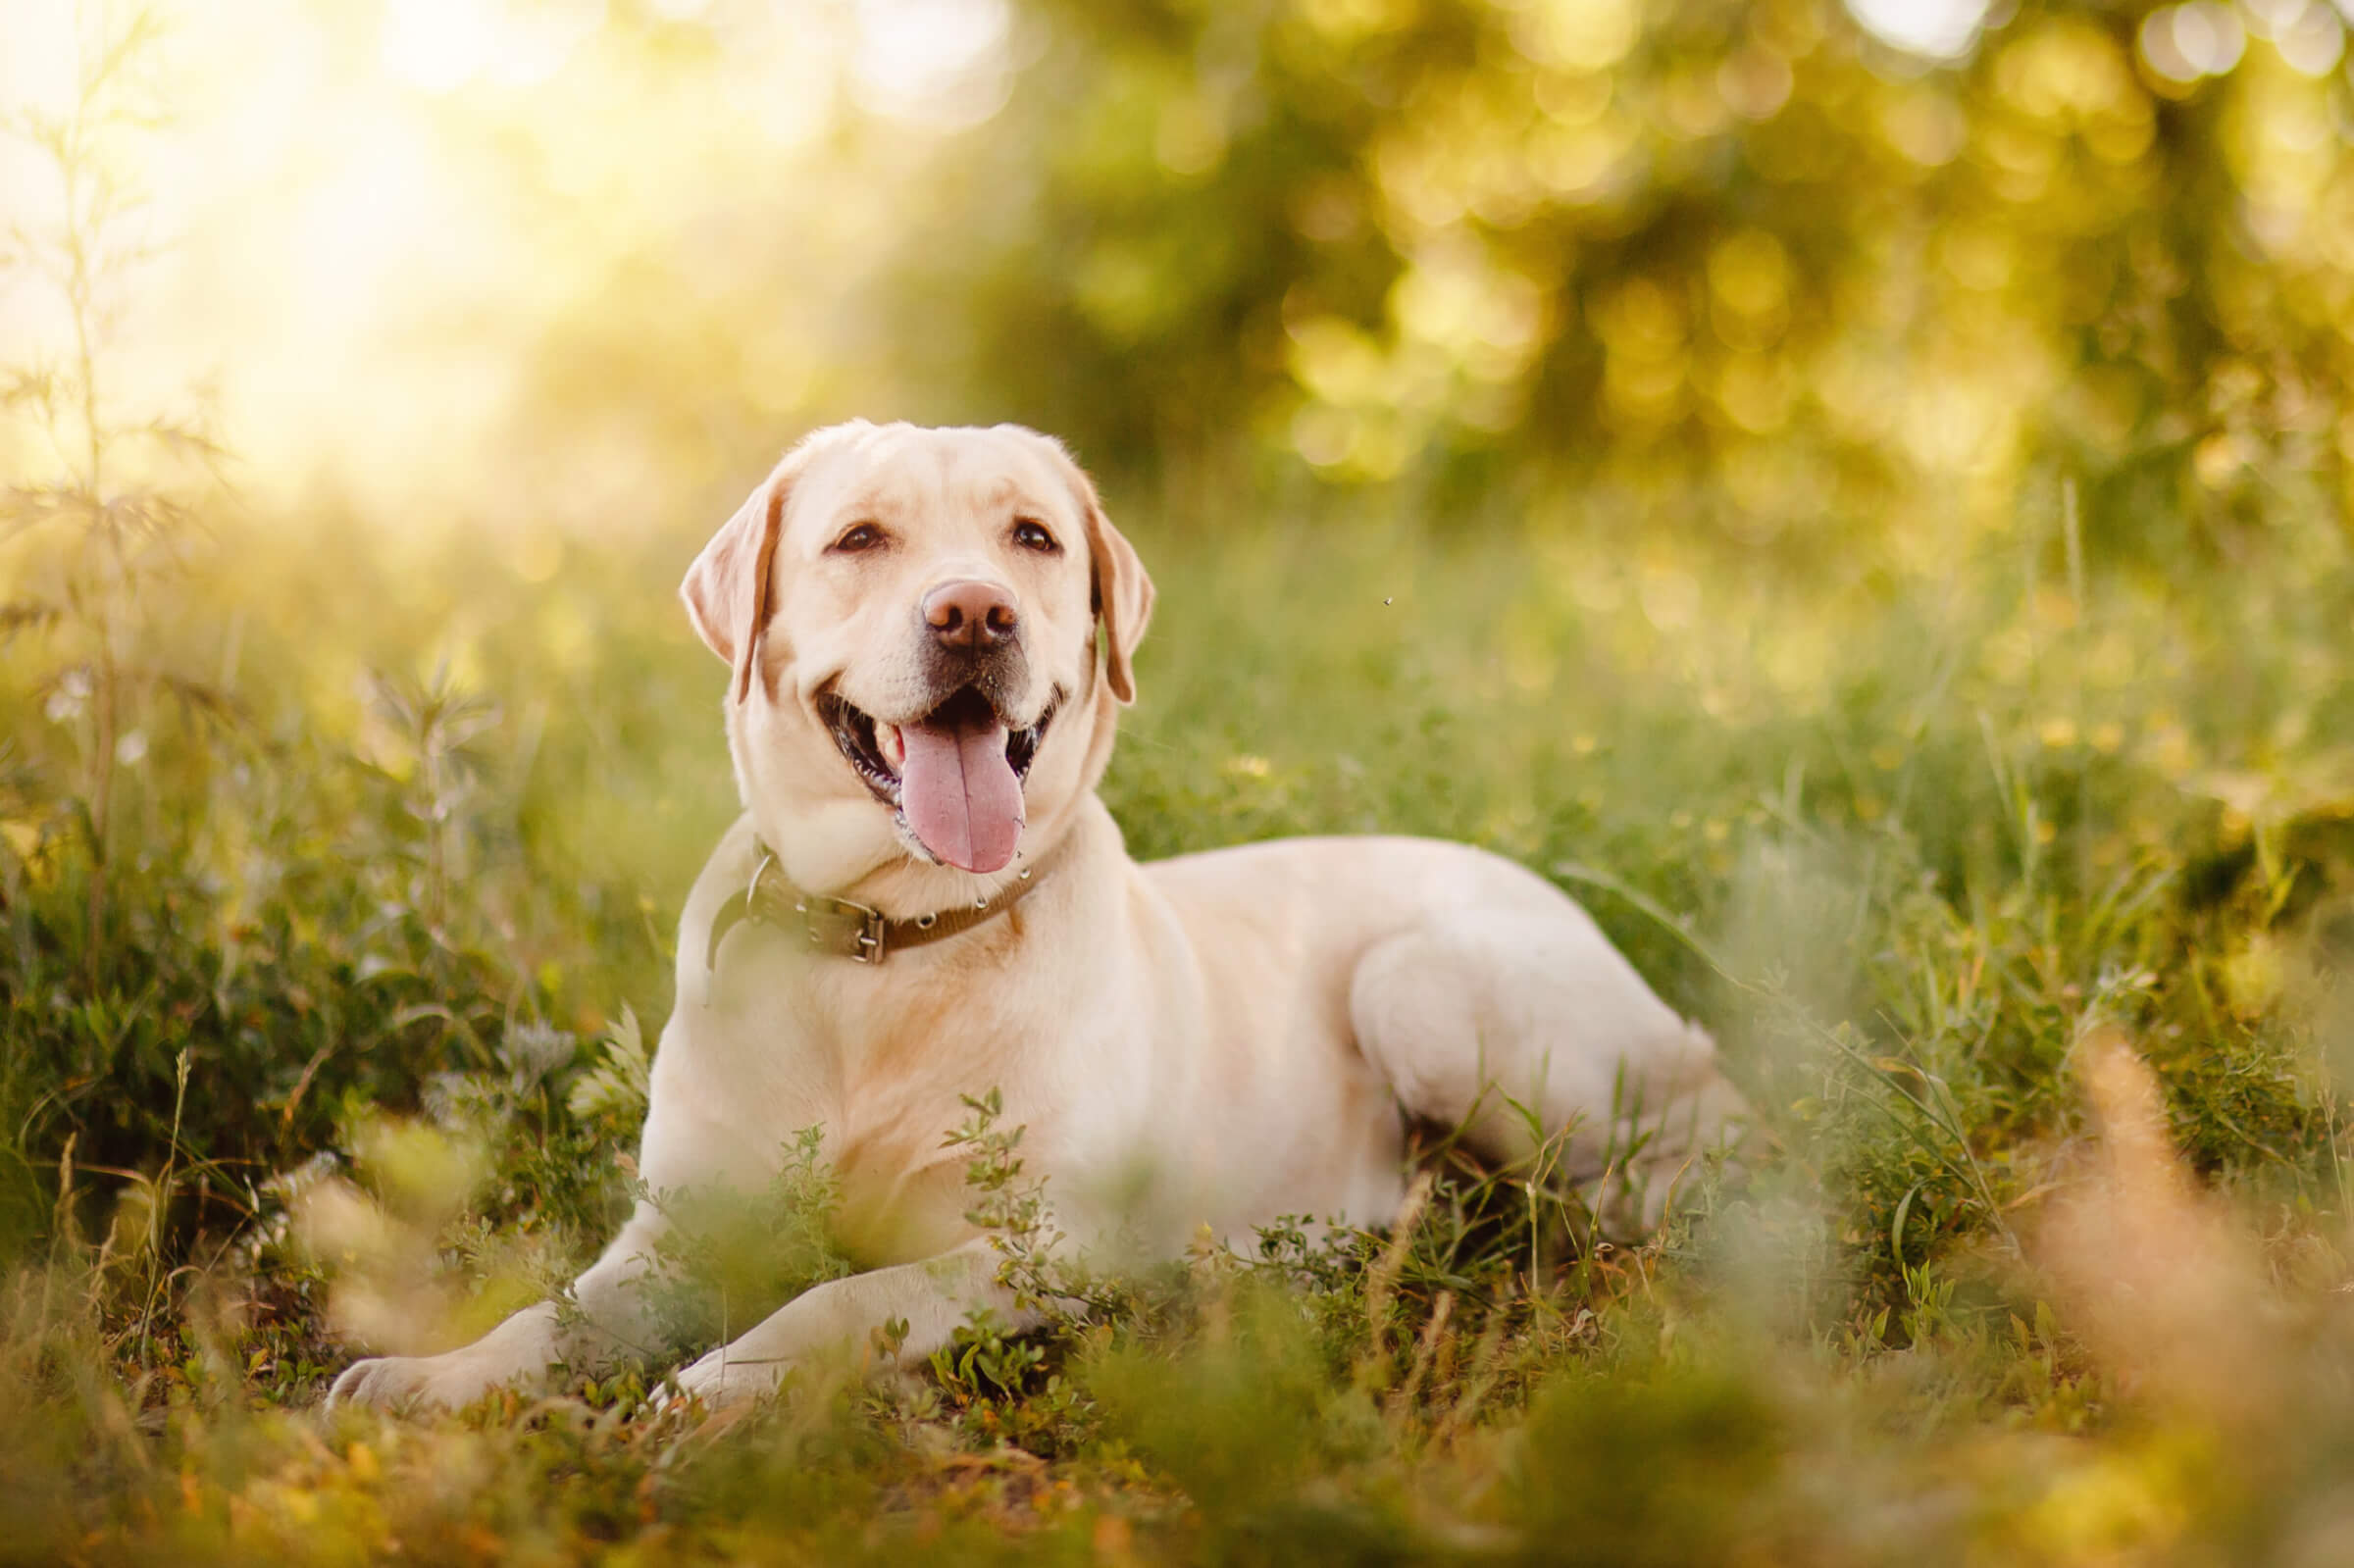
908,617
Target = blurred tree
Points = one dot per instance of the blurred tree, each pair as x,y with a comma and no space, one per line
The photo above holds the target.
1748,248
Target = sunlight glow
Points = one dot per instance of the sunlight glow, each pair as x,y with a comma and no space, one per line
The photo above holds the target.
441,46
366,218
935,62
436,45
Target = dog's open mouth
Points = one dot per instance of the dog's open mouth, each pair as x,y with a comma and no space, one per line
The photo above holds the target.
954,776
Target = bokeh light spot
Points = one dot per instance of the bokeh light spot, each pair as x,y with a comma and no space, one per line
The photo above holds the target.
1934,30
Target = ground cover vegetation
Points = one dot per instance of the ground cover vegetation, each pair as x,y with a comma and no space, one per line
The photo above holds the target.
1972,748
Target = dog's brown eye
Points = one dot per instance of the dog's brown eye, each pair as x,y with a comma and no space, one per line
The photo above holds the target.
1032,535
865,537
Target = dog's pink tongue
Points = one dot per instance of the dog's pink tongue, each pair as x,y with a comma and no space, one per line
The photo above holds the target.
959,791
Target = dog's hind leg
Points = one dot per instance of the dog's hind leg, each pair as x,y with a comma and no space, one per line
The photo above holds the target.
1527,1029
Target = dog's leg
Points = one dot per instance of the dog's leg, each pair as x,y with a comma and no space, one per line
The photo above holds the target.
1523,1025
840,1318
608,1317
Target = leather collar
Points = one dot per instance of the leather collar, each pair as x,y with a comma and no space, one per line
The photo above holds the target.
843,928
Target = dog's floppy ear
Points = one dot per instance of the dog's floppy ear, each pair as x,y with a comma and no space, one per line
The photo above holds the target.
1121,588
727,590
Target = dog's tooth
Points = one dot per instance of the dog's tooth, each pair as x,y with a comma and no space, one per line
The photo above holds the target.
891,743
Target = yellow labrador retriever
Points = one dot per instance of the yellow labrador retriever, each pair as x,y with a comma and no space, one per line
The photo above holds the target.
925,898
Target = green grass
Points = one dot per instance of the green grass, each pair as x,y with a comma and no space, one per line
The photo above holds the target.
1906,836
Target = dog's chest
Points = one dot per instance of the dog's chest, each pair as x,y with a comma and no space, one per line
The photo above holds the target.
886,1070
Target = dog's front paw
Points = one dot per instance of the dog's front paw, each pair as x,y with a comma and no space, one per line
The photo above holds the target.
725,1379
412,1382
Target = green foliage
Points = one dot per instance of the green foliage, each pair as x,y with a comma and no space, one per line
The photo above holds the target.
614,1091
1011,1211
1716,1450
728,1259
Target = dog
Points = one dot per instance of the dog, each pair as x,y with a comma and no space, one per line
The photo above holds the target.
929,635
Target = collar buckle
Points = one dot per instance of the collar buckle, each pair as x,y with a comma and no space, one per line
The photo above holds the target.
855,931
872,938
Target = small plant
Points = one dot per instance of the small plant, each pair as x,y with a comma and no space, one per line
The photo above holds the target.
110,506
615,1088
1013,1386
727,1259
433,726
1011,1210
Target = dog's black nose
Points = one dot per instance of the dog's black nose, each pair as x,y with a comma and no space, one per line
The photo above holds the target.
970,614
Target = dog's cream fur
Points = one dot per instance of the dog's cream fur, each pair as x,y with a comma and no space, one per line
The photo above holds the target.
1208,1042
